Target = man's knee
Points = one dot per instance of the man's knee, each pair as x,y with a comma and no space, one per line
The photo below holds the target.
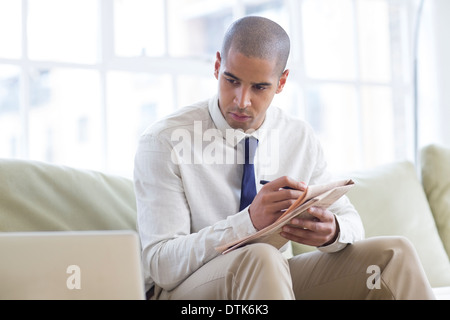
394,255
260,271
262,250
262,255
260,260
401,249
401,269
391,246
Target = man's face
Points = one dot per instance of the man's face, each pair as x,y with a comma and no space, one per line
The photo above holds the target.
247,86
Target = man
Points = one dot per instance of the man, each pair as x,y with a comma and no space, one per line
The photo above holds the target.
188,181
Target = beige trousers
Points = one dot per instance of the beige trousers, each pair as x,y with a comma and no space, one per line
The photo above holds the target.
375,268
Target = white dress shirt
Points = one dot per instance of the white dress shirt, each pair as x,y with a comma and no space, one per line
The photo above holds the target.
188,170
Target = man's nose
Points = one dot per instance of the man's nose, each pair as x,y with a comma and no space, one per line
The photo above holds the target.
243,98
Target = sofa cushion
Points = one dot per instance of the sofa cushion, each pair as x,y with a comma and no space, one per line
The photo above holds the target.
391,201
35,196
435,171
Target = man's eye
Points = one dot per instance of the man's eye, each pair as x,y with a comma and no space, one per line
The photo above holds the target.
232,81
260,88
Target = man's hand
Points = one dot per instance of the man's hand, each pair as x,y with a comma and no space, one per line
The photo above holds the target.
322,230
272,200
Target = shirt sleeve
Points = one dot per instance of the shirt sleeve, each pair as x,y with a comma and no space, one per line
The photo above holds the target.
170,251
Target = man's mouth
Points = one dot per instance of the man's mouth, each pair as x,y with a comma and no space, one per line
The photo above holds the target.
240,117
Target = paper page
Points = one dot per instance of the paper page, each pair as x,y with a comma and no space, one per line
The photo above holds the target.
324,196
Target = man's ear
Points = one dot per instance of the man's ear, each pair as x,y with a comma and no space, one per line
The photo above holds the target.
217,65
282,80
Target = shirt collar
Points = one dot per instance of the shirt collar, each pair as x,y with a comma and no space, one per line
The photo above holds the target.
234,136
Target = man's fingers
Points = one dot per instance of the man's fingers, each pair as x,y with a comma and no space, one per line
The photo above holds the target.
285,182
282,195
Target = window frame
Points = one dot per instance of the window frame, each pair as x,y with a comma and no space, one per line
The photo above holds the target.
402,89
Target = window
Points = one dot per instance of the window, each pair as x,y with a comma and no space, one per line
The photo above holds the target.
10,29
63,30
81,79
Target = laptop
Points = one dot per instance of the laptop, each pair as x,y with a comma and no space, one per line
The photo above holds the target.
71,265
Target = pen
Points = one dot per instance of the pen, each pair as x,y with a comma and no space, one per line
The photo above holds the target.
267,181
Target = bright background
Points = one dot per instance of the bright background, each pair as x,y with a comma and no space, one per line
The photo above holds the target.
81,79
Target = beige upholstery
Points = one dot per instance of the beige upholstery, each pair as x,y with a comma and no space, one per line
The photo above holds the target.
36,196
391,201
435,164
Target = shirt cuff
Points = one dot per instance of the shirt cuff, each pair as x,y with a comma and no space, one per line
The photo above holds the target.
244,223
240,223
336,246
340,242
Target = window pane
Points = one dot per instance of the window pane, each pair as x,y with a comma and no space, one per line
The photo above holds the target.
274,10
373,30
65,117
10,29
332,112
378,129
196,27
139,28
10,122
135,100
291,99
401,40
63,30
191,89
329,46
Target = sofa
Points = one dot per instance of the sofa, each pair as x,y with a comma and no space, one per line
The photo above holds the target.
397,198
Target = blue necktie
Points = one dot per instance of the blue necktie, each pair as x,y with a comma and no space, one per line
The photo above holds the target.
248,186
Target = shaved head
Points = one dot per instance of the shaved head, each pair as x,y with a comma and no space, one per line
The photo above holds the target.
258,37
